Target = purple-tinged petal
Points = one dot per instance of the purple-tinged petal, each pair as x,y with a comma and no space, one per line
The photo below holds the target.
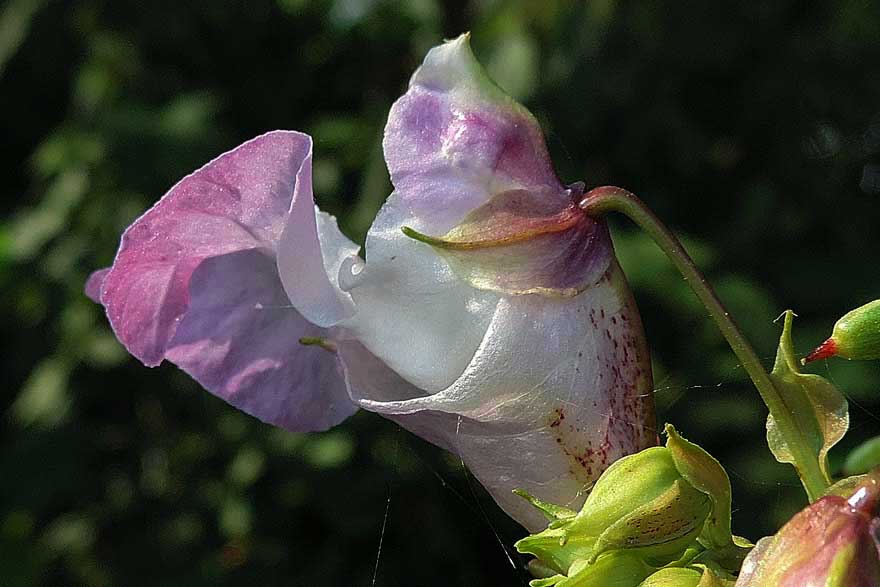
238,201
240,339
196,282
94,284
455,139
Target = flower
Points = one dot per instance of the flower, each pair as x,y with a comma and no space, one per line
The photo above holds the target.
490,316
833,542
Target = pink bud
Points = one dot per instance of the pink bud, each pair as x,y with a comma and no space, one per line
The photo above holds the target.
833,542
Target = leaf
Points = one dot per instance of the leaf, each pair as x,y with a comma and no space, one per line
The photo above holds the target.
863,458
819,409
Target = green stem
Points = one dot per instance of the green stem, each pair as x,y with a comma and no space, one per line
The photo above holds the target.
613,199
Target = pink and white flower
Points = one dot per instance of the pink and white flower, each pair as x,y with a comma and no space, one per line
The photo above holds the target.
489,317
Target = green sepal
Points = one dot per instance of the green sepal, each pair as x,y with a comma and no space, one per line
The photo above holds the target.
557,548
713,577
818,408
618,569
674,577
698,575
706,474
547,581
846,486
539,570
551,511
729,557
688,556
654,505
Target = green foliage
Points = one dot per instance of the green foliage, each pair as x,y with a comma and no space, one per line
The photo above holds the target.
863,458
820,411
750,128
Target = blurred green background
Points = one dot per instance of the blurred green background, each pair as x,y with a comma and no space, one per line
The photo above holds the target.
752,128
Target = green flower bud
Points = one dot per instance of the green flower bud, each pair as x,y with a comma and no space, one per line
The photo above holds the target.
855,336
655,504
693,576
673,577
615,569
661,528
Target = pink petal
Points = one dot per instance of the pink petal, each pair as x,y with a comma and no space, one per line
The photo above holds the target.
240,340
94,284
238,201
196,282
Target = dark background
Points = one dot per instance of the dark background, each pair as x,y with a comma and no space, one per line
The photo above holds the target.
752,128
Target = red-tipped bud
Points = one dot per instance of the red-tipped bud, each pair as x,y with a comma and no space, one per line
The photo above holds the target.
855,336
823,351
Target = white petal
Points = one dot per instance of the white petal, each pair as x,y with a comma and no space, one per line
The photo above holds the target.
310,253
555,393
412,311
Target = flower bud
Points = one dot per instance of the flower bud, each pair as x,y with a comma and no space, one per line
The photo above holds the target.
673,577
831,543
692,576
855,336
616,569
655,504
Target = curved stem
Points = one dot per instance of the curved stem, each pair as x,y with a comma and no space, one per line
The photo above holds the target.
606,199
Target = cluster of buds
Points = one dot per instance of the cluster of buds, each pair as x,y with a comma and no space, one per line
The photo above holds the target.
660,517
